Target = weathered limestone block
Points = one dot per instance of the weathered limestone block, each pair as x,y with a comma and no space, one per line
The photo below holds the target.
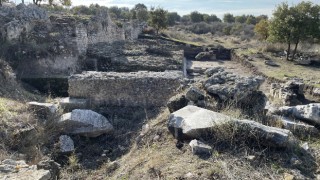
195,122
85,122
135,89
309,113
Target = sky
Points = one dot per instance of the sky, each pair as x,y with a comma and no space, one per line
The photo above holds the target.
217,7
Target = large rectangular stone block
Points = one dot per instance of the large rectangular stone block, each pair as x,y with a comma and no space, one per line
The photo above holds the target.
142,89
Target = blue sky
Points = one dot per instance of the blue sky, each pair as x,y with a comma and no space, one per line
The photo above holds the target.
218,7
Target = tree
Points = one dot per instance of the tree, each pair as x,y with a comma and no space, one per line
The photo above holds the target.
140,12
173,17
295,24
37,2
186,18
158,19
259,18
196,17
251,20
210,18
240,19
262,29
66,2
228,18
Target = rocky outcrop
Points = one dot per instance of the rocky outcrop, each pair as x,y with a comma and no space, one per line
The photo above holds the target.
290,93
11,169
195,122
85,122
241,92
135,89
226,85
309,113
52,45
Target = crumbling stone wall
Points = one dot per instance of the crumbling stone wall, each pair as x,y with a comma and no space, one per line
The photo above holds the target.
134,89
52,45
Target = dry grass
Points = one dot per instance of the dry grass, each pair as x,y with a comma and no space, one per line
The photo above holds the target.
286,69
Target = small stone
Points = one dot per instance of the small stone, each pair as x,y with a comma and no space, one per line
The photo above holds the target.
156,138
189,175
199,147
251,157
305,146
66,144
288,176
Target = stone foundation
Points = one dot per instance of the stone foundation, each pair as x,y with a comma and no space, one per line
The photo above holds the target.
135,89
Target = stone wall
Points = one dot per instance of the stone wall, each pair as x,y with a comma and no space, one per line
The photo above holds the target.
134,89
52,45
138,55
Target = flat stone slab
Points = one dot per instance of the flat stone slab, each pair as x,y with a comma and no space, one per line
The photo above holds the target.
68,104
85,122
142,89
194,122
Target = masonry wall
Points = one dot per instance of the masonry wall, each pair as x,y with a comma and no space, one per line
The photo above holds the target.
134,89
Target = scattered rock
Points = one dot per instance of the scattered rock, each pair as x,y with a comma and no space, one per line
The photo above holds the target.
52,166
296,127
226,85
25,137
290,93
11,169
43,110
194,94
309,113
85,122
68,104
195,122
200,148
267,135
270,63
316,92
209,72
66,144
177,102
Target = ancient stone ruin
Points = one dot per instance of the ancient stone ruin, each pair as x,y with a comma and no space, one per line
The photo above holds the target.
142,88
